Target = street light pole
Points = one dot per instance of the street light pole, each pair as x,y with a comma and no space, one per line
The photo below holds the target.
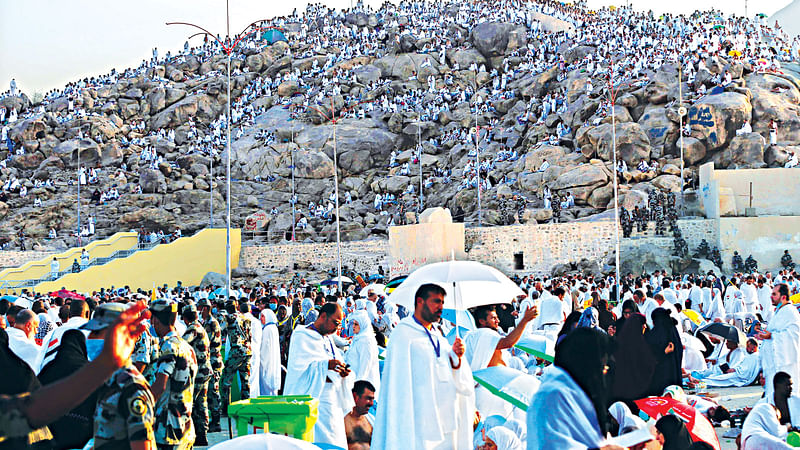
478,160
80,242
419,156
680,114
228,157
336,199
292,200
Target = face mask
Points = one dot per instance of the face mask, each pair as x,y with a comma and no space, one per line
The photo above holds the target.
153,331
93,348
213,310
273,306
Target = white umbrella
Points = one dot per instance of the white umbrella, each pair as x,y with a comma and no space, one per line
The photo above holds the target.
377,288
467,283
344,279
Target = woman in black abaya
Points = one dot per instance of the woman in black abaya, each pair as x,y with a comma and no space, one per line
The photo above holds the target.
665,343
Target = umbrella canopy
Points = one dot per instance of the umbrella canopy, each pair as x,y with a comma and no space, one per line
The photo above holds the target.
723,330
394,283
464,319
467,283
375,276
698,425
456,332
23,302
795,298
65,294
378,288
265,441
511,385
272,36
10,298
761,15
539,346
335,280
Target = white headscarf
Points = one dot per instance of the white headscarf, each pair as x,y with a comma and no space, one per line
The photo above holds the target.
362,318
624,417
504,438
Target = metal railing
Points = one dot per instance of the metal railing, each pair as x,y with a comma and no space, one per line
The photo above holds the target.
27,283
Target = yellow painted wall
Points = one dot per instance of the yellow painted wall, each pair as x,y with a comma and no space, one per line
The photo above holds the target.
764,237
186,260
97,249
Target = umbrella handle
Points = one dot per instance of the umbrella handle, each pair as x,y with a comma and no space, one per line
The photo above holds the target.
455,297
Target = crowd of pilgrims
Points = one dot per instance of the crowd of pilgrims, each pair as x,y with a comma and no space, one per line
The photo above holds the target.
638,42
607,354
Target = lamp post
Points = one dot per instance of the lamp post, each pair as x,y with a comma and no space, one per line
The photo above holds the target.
228,49
613,91
334,119
478,158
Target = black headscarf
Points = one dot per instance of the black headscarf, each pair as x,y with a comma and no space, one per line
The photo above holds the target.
584,354
16,374
76,427
634,361
627,304
668,365
606,317
676,436
569,324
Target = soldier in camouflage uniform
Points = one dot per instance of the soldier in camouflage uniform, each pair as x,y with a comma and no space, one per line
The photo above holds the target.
145,354
652,202
659,214
555,205
214,333
125,412
672,212
625,223
173,389
639,218
237,329
522,203
197,337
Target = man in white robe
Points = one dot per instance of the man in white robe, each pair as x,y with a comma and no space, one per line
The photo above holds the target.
427,400
764,292
726,362
552,314
20,339
762,429
270,353
316,368
484,348
255,359
780,351
741,374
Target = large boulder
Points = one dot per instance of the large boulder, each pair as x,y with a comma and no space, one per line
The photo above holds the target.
661,131
491,38
213,279
583,175
693,150
152,181
465,57
633,145
715,118
404,65
746,151
147,218
360,145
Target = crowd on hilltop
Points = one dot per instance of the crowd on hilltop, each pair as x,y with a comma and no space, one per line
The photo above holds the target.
638,43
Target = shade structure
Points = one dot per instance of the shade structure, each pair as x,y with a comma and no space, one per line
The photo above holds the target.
698,425
375,276
456,332
511,385
538,345
378,288
272,36
467,283
723,330
67,294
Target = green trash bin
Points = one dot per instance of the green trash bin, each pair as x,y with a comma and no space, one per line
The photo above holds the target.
291,415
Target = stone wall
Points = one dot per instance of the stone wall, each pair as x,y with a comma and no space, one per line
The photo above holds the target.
18,258
541,246
363,256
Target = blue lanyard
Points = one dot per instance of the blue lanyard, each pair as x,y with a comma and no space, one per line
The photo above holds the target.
436,347
333,353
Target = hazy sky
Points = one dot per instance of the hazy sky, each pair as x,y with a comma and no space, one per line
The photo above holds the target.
46,43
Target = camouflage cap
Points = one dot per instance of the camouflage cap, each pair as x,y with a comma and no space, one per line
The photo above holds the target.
190,308
104,316
163,305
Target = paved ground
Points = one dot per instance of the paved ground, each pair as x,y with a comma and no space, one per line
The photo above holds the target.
731,398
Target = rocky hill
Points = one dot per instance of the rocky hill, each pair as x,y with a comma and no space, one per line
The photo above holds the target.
390,77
